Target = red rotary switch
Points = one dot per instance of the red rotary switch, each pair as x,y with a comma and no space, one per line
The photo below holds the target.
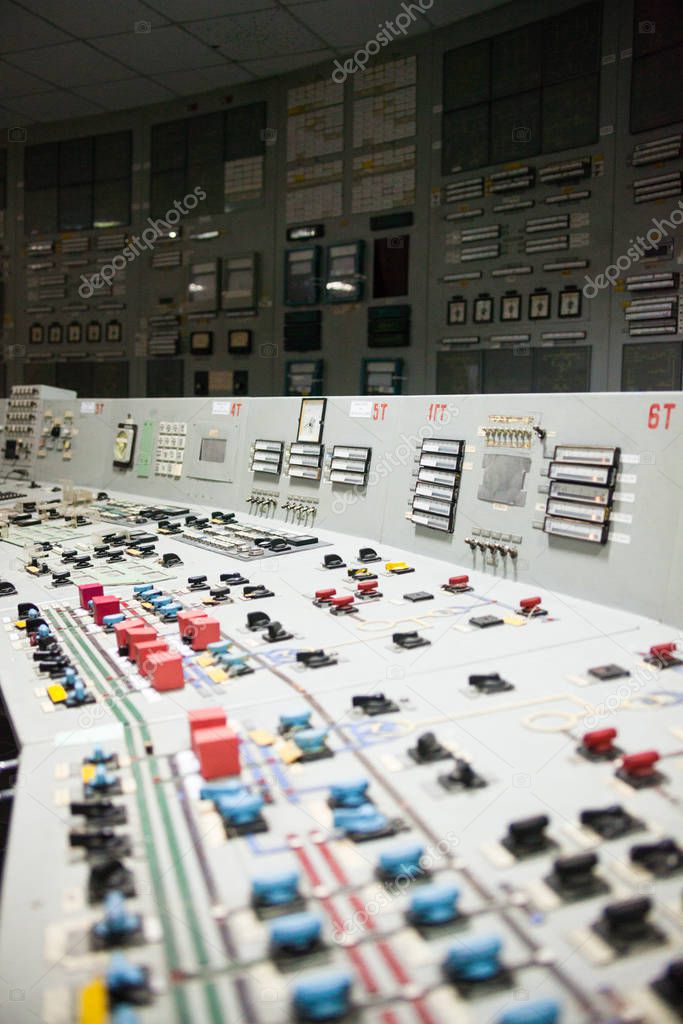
368,586
345,601
528,605
458,581
598,745
663,655
324,596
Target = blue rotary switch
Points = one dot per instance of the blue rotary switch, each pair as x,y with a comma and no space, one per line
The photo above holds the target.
295,933
349,792
434,904
275,888
322,997
542,1011
474,960
401,860
365,819
239,808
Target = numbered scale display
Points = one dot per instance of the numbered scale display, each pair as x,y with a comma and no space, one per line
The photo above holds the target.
350,464
266,457
581,492
439,469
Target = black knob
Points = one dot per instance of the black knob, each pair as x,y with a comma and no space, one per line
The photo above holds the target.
527,836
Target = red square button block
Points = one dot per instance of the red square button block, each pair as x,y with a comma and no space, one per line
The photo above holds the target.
218,752
165,670
144,649
86,592
205,718
186,618
204,632
105,604
122,629
138,635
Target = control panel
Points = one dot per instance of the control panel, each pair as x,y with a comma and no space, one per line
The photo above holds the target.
296,754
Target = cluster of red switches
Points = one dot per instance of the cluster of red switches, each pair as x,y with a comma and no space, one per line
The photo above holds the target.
93,598
214,743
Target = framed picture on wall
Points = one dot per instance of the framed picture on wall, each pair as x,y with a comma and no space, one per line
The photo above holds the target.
457,310
74,333
36,334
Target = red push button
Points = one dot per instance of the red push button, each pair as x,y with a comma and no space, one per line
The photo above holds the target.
139,635
600,740
325,595
105,604
144,650
640,765
529,603
658,649
205,718
342,602
218,752
368,586
165,670
203,632
86,592
458,581
121,631
186,616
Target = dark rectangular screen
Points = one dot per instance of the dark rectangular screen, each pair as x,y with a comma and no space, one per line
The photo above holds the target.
205,139
657,24
168,145
164,378
562,369
41,166
657,90
391,267
75,207
508,370
458,373
111,203
76,161
40,211
516,61
244,127
465,139
515,127
570,114
467,75
571,43
651,366
113,155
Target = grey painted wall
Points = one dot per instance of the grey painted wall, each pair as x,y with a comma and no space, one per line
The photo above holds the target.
610,219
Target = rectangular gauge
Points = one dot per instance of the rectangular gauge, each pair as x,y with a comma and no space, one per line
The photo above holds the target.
442,447
303,473
305,448
435,477
434,523
268,446
342,451
576,530
439,508
258,466
580,492
304,460
574,510
586,474
349,465
440,462
202,288
588,454
434,491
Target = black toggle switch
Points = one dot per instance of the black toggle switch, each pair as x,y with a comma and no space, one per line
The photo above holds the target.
611,822
661,859
374,704
197,582
429,749
254,592
105,811
368,555
24,608
669,987
333,562
490,682
235,579
170,558
461,776
573,877
257,620
526,837
625,925
276,632
61,578
315,659
103,840
410,640
7,588
219,593
106,875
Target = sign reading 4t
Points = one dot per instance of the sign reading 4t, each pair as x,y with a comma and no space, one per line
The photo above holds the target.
659,416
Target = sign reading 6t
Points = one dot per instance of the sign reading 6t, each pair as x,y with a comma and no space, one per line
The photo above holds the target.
659,415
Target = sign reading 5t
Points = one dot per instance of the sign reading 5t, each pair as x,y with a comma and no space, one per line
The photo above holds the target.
659,416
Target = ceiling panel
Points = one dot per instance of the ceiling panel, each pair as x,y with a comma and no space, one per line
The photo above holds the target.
204,79
344,24
163,49
134,92
55,105
289,62
21,30
255,35
14,82
445,13
95,17
194,10
69,64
